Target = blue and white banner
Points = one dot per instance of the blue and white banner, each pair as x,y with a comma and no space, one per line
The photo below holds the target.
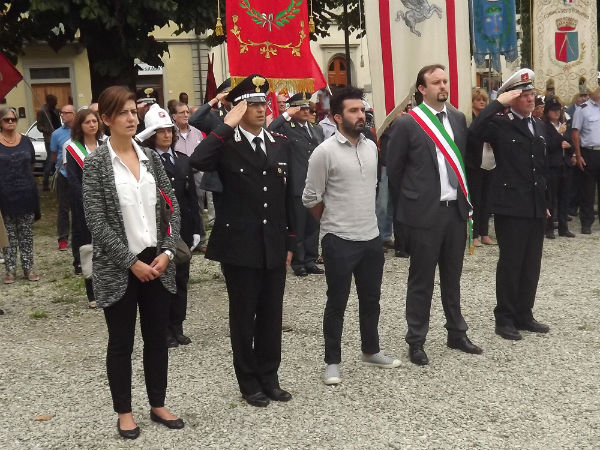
494,31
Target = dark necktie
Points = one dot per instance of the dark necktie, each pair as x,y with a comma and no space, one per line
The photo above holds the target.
452,179
528,121
306,132
168,163
258,150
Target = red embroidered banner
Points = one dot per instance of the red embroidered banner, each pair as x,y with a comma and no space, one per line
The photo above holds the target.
271,38
9,76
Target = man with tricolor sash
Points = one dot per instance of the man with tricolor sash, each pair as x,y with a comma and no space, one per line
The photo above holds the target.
427,179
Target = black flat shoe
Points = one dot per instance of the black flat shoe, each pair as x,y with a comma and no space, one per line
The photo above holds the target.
259,399
171,341
182,339
508,332
315,270
417,355
174,424
464,344
128,434
278,394
566,234
301,272
534,326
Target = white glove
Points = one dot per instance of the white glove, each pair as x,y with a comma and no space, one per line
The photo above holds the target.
195,241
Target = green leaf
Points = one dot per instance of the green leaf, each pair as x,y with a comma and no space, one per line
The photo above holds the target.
279,22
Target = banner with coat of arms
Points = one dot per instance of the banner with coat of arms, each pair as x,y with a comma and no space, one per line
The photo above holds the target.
565,43
271,37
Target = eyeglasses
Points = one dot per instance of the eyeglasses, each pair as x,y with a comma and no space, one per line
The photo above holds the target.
9,120
312,111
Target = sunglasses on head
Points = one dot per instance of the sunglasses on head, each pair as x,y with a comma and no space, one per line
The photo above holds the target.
9,120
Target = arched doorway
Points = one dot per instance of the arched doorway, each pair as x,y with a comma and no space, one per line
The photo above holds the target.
336,72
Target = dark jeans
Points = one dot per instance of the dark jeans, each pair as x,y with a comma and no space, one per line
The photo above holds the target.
48,165
64,205
442,245
153,301
364,260
178,307
479,185
591,176
520,241
307,237
255,308
559,181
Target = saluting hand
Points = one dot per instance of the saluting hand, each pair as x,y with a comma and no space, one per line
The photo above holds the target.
234,116
292,110
506,98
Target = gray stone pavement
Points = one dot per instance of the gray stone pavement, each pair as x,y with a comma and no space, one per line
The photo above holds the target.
538,393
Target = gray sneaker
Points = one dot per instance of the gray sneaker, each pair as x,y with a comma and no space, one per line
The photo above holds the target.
332,374
380,360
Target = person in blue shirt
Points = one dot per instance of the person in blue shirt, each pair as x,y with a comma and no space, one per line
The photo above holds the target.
57,141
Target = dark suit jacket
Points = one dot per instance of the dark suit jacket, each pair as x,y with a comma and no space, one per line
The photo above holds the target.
301,147
413,172
252,227
182,180
557,156
518,186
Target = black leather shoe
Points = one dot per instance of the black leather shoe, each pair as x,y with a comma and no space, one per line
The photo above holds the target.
566,234
171,341
534,326
464,344
550,235
301,272
508,332
278,394
77,269
182,339
586,230
175,424
259,399
400,254
316,270
418,355
128,434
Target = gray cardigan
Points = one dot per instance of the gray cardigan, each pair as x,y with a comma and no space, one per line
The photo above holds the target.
111,255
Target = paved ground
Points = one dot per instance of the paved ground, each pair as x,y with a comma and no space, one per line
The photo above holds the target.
539,393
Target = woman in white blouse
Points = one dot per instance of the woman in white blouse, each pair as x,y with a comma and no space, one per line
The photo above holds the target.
132,255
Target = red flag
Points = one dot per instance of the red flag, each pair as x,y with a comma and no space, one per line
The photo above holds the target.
211,84
271,37
272,109
9,76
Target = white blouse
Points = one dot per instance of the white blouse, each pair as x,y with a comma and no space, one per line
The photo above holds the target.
137,199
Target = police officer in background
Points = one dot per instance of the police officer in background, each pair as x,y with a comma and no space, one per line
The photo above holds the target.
303,136
252,235
518,200
210,115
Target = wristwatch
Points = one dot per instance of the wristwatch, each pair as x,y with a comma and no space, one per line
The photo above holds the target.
169,254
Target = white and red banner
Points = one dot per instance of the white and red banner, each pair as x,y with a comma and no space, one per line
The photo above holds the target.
406,35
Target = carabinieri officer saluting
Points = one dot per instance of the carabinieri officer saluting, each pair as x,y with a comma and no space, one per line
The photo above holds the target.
252,236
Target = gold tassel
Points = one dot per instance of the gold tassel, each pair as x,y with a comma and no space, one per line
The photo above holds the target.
219,27
311,25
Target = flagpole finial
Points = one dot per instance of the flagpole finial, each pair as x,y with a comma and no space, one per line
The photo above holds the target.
218,25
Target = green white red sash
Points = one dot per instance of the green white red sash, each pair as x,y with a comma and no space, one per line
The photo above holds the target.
432,126
77,151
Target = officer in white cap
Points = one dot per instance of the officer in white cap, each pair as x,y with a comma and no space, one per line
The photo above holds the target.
517,194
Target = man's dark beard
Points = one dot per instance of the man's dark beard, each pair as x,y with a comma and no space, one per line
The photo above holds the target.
351,129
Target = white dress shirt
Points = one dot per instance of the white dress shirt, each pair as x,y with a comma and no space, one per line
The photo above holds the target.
137,199
447,192
251,137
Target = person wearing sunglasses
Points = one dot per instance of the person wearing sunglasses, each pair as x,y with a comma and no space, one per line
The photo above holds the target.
19,201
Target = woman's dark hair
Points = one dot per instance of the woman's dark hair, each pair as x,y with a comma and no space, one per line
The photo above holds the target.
151,141
112,100
336,105
80,117
421,79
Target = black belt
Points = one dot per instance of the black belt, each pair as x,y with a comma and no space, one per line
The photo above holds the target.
595,147
448,203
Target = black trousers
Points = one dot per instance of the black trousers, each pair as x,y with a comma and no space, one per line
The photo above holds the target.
442,245
559,181
364,260
153,301
64,205
520,241
80,234
255,308
479,186
307,236
178,306
591,176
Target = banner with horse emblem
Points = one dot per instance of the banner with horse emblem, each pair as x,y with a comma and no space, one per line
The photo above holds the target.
271,37
565,41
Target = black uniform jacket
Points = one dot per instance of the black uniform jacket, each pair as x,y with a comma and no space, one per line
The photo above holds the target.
413,172
301,147
252,227
518,186
557,156
182,180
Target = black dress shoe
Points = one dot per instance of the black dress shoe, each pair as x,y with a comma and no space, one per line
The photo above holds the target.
258,399
400,254
171,341
550,235
182,339
566,233
464,344
278,394
418,355
508,332
128,434
586,230
175,424
301,272
316,270
534,326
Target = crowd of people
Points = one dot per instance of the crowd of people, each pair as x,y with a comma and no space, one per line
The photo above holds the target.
143,186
